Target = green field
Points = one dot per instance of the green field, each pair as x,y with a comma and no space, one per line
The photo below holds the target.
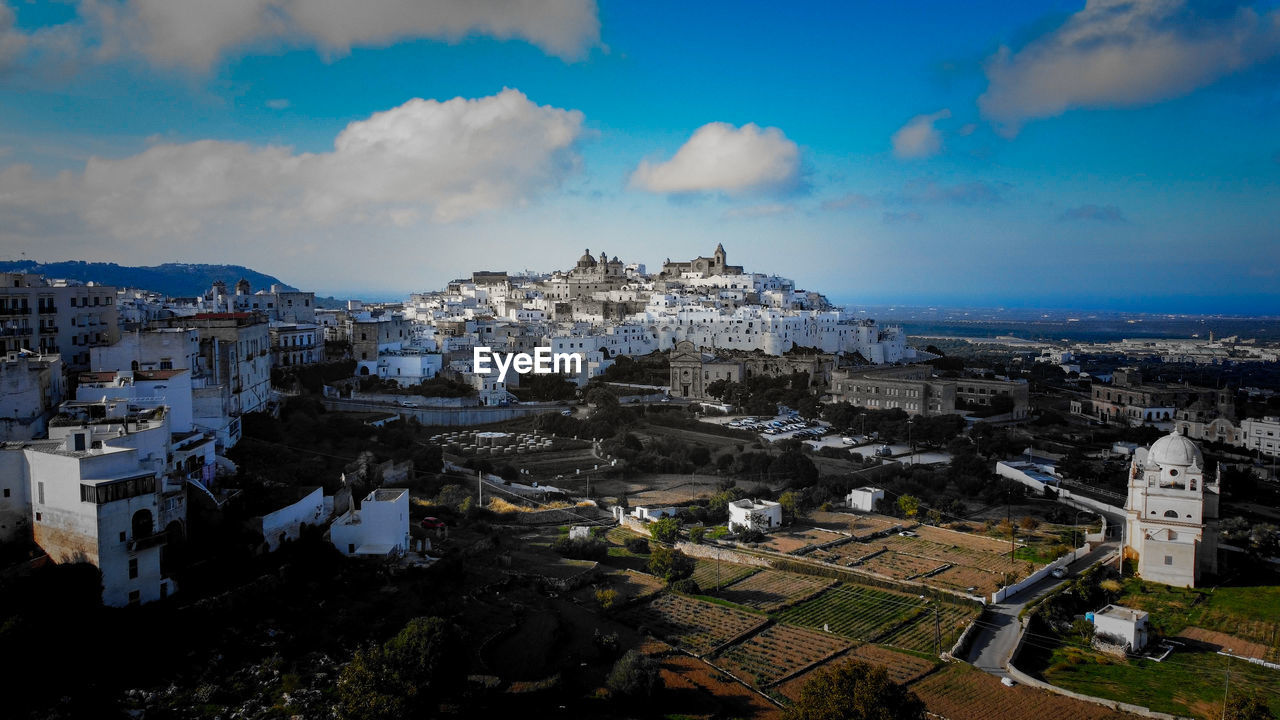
713,574
1251,612
1189,682
853,611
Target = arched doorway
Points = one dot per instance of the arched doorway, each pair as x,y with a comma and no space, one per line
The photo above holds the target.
142,525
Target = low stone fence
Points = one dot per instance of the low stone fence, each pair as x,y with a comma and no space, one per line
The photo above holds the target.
714,552
1065,560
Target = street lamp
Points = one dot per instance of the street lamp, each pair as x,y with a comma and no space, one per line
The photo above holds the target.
910,423
1075,524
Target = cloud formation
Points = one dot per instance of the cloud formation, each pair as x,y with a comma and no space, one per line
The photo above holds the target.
722,158
965,193
425,159
850,201
1119,53
195,34
1109,214
919,138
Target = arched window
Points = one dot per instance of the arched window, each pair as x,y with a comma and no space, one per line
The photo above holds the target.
1171,513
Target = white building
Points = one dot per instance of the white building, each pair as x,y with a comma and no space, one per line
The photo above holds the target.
296,344
56,317
1121,625
761,515
1261,434
649,514
30,389
1172,513
406,367
380,528
287,522
110,489
864,499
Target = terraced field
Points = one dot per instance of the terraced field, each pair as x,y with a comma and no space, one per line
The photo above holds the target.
715,574
899,566
772,589
958,577
854,611
961,692
921,633
777,652
902,668
697,626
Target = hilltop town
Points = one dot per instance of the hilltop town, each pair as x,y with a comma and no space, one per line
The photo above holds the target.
736,486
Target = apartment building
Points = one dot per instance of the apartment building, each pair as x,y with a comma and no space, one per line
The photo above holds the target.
38,315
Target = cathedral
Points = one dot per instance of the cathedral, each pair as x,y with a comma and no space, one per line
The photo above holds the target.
717,264
1171,527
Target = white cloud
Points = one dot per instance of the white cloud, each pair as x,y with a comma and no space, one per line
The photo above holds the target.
1117,53
752,212
278,104
722,158
919,138
195,34
440,160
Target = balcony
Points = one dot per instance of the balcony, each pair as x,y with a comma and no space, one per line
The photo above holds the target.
14,332
146,543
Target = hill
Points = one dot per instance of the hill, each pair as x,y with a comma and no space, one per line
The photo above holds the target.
170,279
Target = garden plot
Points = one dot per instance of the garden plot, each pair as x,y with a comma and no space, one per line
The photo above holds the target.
793,539
902,668
981,543
629,585
958,577
715,574
854,611
920,634
777,652
858,525
772,589
960,692
899,566
702,691
955,554
697,626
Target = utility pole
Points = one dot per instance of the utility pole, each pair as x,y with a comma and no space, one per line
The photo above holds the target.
937,629
1226,690
480,487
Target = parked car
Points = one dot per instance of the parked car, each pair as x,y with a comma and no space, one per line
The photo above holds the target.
566,413
406,403
1059,572
907,533
431,523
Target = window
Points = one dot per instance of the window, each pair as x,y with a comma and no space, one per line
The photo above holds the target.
1171,513
39,516
40,491
1168,559
6,492
133,568
122,536
135,597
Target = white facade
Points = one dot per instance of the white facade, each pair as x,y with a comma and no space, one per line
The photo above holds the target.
378,529
30,388
762,515
864,499
1126,625
1171,513
108,495
649,514
406,367
287,522
1262,435
171,388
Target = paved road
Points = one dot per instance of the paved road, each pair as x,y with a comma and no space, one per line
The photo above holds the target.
995,639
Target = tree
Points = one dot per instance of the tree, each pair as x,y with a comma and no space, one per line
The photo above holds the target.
665,530
696,534
790,502
406,676
909,505
635,675
855,690
670,565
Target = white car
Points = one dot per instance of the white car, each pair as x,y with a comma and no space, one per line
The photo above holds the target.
848,440
1059,573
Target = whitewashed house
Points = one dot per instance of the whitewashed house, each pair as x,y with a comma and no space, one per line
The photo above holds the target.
1121,625
864,499
763,515
380,528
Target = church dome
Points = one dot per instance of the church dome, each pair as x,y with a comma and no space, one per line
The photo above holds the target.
586,260
1175,449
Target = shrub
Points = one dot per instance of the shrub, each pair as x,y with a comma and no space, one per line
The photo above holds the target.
634,676
696,534
687,586
636,545
670,565
665,530
606,598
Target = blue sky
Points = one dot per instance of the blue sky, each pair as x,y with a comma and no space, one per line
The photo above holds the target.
1115,154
